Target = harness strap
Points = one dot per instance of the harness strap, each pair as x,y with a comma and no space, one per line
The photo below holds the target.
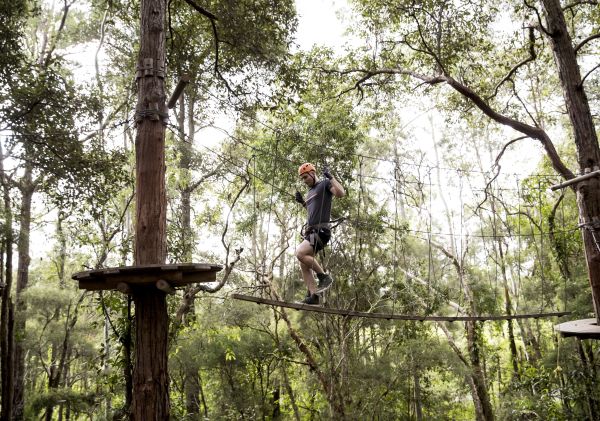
307,229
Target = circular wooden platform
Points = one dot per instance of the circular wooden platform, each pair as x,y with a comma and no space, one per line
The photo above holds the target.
125,278
583,329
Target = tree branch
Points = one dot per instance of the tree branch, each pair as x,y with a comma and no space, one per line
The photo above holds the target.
191,293
213,24
528,130
205,177
452,304
58,33
105,123
587,74
532,56
497,166
578,3
539,18
585,41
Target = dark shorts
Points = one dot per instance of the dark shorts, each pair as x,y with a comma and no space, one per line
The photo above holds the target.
318,238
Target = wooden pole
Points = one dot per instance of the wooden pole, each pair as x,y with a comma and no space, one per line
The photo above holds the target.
150,377
183,81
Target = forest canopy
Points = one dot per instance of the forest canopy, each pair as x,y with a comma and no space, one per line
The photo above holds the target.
446,123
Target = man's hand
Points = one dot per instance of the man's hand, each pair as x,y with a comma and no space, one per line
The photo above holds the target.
300,199
326,173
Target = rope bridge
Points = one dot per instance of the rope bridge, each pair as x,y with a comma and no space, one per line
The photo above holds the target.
389,316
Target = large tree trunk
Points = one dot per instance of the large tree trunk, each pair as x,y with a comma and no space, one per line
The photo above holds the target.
150,378
27,189
586,141
7,310
477,374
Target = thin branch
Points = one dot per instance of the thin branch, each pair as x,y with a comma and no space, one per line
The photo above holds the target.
213,19
457,265
105,123
120,338
528,130
497,167
452,304
239,193
532,57
205,177
578,3
539,18
516,94
190,295
587,74
427,48
201,10
585,41
58,33
452,344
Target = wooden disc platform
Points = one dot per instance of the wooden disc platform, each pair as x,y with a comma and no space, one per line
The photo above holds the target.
392,316
164,277
582,329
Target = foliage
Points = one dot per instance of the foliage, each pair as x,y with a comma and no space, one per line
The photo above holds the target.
78,402
427,229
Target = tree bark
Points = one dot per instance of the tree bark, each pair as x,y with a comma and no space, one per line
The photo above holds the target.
59,351
514,356
150,378
191,381
586,141
7,309
417,393
27,190
477,373
590,403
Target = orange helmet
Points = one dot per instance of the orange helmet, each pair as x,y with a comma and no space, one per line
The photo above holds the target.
306,167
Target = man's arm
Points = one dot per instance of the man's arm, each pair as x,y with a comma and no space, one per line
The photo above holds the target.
335,187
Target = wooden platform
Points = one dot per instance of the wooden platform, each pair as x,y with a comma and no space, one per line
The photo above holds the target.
583,329
125,278
390,316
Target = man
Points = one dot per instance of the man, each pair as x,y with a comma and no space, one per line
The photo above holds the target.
317,232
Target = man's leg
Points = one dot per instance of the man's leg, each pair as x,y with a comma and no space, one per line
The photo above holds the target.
305,254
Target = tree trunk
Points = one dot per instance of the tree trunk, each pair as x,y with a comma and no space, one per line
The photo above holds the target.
417,394
27,190
514,357
7,309
290,391
477,373
59,351
191,381
127,363
587,379
586,141
191,385
150,378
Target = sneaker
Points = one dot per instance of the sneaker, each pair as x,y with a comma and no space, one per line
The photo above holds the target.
325,282
311,299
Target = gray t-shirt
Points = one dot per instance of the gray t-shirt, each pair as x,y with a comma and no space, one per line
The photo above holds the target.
318,203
